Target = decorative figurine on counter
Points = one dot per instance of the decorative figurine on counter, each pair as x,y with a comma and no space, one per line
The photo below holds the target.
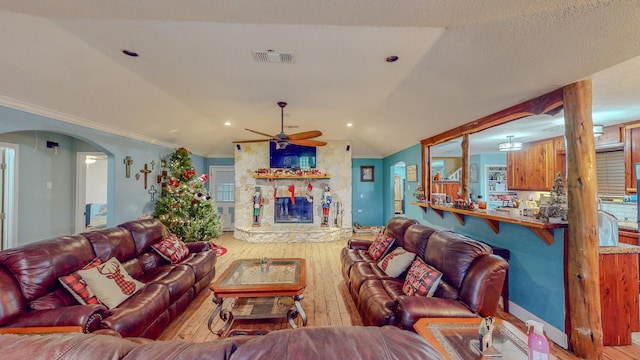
326,205
258,200
485,333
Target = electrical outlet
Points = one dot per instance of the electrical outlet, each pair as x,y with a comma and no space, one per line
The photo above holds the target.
49,185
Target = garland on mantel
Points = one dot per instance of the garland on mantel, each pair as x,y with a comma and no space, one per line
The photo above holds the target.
290,172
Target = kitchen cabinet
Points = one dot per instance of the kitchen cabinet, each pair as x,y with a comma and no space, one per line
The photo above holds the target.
533,168
628,237
631,156
619,296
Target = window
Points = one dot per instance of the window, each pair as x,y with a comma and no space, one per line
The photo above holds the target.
610,173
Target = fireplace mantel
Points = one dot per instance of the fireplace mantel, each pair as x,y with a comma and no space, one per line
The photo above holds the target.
294,177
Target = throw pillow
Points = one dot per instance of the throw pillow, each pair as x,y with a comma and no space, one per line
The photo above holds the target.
396,262
110,282
421,280
171,248
77,287
380,246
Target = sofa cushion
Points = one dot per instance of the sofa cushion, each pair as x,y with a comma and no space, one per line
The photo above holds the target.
416,238
53,300
421,280
201,263
110,282
177,278
112,242
452,254
77,287
396,227
37,271
380,246
396,262
171,248
146,233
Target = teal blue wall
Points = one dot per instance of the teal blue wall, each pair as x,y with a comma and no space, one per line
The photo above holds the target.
367,202
126,197
536,274
410,156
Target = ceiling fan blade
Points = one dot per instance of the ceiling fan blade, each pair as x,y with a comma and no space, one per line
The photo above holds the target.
259,133
305,142
249,141
305,135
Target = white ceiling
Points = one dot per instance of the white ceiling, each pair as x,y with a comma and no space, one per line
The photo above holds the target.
459,60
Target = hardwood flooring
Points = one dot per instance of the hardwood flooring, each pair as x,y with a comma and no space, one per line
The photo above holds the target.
327,301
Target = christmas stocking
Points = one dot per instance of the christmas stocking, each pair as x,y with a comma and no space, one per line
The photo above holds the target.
292,190
308,192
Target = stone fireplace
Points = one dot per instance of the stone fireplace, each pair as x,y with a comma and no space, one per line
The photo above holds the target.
280,219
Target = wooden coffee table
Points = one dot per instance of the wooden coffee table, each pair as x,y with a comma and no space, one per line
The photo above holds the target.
259,293
457,338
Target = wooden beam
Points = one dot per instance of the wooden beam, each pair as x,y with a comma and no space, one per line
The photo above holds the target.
464,192
582,248
550,104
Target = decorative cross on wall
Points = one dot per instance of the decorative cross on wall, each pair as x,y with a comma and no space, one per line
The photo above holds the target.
145,171
153,192
128,161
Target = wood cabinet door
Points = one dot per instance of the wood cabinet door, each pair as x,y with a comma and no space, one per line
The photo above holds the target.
533,167
631,156
516,169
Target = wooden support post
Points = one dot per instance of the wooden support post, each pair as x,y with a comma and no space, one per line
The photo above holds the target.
582,248
426,173
464,178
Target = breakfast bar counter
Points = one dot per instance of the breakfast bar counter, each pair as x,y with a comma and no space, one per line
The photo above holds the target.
543,229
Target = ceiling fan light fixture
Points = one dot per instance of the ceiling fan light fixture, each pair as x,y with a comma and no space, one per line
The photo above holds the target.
598,130
510,145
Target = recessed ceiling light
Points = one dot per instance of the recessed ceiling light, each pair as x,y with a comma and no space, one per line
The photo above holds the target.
227,123
130,53
391,59
349,124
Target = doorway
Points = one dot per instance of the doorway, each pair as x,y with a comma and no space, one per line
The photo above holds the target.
91,191
8,193
223,187
399,173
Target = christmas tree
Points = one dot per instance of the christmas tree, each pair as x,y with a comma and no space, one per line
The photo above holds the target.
186,207
558,199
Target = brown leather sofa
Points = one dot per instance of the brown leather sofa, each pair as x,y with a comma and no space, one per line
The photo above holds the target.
32,296
313,343
471,283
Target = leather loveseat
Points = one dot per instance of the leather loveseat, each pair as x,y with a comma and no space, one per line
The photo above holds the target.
470,286
313,343
32,296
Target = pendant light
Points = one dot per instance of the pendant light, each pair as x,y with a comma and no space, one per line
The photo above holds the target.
510,145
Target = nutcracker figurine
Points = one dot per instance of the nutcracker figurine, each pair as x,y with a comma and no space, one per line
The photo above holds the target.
326,205
257,205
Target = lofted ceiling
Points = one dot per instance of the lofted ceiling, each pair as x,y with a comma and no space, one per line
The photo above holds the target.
459,60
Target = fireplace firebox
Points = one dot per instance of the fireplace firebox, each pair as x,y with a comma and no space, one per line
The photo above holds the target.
288,212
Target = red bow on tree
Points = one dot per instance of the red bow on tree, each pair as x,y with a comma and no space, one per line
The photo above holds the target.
292,190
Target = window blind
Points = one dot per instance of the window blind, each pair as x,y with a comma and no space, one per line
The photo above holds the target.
610,171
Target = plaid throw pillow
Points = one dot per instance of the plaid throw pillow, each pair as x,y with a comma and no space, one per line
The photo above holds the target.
380,246
171,248
421,280
77,287
111,282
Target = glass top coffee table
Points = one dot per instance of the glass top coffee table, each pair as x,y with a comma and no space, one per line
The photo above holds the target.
457,338
260,291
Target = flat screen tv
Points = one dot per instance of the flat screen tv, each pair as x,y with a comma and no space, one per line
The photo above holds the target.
292,157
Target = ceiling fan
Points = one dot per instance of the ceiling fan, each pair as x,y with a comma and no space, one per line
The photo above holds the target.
282,139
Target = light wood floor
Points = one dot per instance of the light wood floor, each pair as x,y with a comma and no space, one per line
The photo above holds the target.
326,300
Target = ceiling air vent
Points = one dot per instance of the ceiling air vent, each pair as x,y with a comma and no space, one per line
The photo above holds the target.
271,56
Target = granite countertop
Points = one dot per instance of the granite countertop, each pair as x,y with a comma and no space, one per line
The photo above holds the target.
628,225
622,248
